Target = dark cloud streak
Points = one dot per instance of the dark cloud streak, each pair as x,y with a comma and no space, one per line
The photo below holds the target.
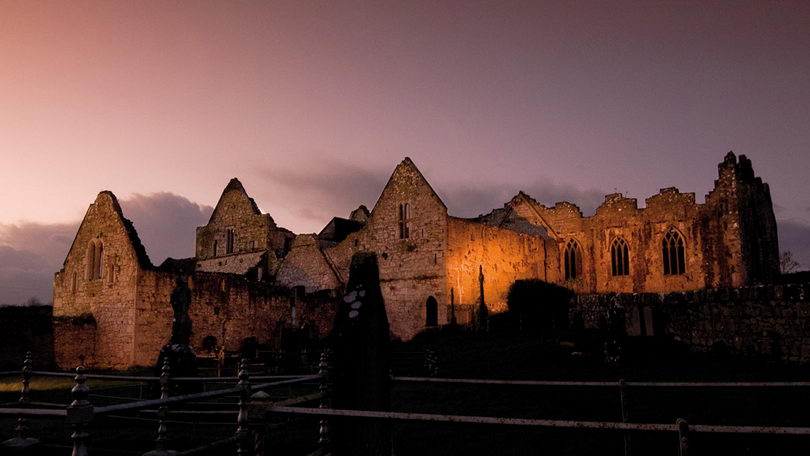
335,188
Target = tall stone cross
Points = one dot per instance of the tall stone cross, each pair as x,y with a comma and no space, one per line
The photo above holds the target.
483,312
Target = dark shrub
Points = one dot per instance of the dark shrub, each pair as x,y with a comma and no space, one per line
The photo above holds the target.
539,305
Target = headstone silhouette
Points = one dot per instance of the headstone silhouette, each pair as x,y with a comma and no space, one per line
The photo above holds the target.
182,360
362,361
181,324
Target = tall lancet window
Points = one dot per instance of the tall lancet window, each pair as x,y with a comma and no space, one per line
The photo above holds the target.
573,260
94,260
673,253
404,221
619,257
229,240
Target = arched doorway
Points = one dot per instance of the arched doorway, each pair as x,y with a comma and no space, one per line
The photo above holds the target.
431,312
209,344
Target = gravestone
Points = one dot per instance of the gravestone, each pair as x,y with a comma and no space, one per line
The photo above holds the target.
362,362
182,360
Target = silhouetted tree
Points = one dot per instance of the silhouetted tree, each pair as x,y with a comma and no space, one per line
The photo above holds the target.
787,264
539,305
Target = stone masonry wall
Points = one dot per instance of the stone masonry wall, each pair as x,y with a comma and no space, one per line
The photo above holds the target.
110,298
729,241
76,337
772,321
253,231
505,255
306,265
228,307
411,269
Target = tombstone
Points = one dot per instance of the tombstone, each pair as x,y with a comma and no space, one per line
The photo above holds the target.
182,359
361,362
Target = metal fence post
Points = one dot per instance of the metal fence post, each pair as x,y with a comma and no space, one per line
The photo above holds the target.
25,394
21,439
323,430
161,440
242,431
625,416
80,413
683,437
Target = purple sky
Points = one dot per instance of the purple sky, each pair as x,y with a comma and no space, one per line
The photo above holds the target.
312,104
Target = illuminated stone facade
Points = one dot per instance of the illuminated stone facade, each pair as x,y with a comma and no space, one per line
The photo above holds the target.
251,278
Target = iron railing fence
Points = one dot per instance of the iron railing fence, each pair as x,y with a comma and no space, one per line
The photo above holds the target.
80,412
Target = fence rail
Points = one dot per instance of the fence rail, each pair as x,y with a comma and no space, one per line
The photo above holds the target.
477,381
80,413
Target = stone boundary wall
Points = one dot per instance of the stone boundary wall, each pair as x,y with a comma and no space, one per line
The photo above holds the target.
76,338
771,321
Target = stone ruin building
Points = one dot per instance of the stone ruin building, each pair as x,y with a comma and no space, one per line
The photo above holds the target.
251,279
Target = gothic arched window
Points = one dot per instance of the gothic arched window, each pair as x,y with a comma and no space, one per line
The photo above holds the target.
674,256
619,257
572,260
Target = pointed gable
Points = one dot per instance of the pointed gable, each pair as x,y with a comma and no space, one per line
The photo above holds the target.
522,209
234,199
407,178
238,226
105,220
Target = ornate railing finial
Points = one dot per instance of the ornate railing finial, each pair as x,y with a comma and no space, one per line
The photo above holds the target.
242,430
162,434
80,413
324,387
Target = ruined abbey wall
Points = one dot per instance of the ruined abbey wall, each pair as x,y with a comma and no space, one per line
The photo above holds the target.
411,268
121,317
248,273
306,265
503,255
109,295
251,230
770,321
728,241
227,307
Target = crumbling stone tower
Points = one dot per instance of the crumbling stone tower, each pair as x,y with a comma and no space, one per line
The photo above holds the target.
739,213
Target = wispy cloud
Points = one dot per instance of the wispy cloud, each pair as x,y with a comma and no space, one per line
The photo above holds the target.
166,223
334,188
330,188
472,201
30,253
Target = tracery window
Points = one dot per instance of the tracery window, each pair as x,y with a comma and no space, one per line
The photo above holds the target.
572,260
404,221
674,257
619,257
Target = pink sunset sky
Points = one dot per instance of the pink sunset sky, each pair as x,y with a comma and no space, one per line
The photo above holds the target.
312,103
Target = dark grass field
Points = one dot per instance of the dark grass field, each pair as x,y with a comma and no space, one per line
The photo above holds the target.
505,356
535,358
